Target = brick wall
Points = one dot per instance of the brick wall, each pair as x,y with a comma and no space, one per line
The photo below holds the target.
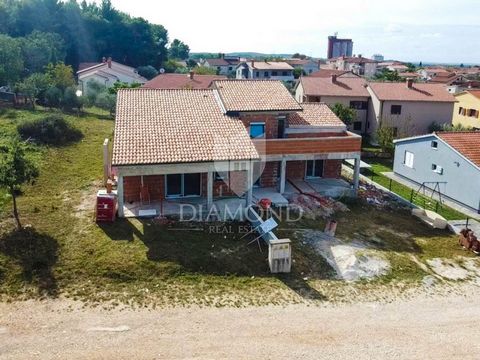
271,123
316,135
295,169
269,174
132,186
332,168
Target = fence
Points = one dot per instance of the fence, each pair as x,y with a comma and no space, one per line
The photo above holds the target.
411,195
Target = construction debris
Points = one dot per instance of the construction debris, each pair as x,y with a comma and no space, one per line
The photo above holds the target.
314,206
469,241
376,197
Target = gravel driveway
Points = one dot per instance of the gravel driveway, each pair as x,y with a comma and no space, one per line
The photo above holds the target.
420,328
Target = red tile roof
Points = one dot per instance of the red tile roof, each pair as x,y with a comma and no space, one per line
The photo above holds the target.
176,126
315,114
475,93
418,92
182,81
343,86
327,73
465,142
255,95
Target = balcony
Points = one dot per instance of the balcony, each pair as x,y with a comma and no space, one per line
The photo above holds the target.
345,144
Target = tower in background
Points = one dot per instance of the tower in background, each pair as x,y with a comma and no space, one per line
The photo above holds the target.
339,47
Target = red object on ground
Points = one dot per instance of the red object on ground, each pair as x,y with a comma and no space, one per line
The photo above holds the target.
265,203
106,207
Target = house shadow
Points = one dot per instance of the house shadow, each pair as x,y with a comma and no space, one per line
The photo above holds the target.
37,254
216,249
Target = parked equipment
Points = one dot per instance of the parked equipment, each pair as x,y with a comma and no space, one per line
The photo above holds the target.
106,207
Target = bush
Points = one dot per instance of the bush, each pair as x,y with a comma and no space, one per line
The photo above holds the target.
51,130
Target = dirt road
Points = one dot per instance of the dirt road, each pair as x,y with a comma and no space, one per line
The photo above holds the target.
423,328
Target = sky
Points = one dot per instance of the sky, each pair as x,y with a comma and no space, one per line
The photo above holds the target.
409,30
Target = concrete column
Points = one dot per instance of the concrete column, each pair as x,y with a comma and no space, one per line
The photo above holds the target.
120,195
209,189
283,169
356,175
249,185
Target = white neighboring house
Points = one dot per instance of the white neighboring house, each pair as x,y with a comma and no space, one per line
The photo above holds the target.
107,73
356,64
262,70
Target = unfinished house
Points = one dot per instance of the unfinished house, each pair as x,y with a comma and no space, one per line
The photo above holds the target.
229,146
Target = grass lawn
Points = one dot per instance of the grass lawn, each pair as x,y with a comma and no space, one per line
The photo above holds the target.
63,252
380,166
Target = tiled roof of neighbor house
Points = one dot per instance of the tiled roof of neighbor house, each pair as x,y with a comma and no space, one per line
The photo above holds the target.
444,77
255,95
475,93
418,92
176,126
86,65
222,62
343,86
270,65
465,142
315,114
115,68
354,59
182,81
327,73
300,61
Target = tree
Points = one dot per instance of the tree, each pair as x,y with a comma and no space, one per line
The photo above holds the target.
385,136
388,75
106,101
297,72
204,70
34,86
11,63
39,49
53,97
178,50
344,113
61,75
71,100
16,169
299,56
148,72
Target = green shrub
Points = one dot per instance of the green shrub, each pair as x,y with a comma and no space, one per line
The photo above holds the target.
51,130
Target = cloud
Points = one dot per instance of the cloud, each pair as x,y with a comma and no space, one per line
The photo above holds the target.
393,29
430,35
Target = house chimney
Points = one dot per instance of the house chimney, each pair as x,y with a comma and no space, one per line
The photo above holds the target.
109,61
334,78
104,59
359,55
409,83
253,63
190,75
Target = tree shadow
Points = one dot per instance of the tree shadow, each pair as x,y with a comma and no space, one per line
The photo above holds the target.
36,253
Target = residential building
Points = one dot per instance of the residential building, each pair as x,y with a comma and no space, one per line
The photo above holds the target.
307,65
357,64
378,57
182,81
107,73
339,47
235,142
224,65
348,91
410,108
467,109
272,70
448,162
